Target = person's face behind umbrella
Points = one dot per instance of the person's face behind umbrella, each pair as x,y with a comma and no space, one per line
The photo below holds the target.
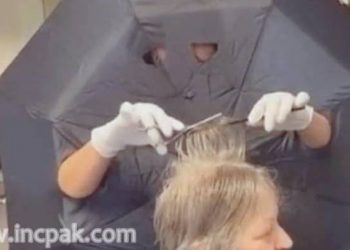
201,52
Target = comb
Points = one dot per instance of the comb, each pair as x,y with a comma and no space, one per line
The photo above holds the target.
229,121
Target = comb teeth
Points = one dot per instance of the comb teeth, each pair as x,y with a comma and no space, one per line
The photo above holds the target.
193,126
206,120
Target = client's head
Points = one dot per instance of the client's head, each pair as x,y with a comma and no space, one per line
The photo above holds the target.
214,200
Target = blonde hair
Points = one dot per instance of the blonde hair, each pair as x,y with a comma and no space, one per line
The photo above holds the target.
211,192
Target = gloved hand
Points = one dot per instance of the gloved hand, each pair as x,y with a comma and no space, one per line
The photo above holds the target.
345,2
136,125
274,112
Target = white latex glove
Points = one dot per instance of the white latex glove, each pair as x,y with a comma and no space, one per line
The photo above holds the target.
345,2
136,125
274,112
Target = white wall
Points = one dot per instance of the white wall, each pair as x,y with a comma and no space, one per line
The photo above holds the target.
19,19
